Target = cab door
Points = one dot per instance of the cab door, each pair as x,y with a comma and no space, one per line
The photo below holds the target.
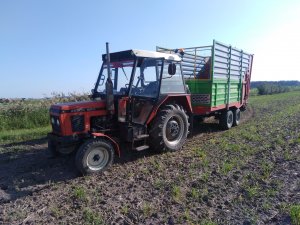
145,87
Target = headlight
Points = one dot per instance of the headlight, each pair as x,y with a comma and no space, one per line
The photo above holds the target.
57,121
52,120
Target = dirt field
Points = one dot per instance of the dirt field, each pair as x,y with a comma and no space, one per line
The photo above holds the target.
247,175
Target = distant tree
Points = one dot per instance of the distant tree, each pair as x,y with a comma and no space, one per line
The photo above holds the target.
283,83
273,87
269,89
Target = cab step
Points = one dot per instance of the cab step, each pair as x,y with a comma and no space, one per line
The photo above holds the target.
141,137
141,148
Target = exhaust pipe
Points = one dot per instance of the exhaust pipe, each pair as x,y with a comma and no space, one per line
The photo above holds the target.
109,85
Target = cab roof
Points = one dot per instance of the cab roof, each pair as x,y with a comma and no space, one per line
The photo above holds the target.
130,54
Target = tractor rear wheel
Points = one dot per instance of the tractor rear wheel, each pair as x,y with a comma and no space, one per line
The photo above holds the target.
226,120
236,117
169,129
95,155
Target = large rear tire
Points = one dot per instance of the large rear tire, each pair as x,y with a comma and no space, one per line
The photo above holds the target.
169,129
93,156
226,120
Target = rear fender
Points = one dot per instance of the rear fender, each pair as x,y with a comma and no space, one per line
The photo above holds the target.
183,100
115,144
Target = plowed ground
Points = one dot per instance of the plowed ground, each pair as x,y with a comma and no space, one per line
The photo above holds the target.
247,175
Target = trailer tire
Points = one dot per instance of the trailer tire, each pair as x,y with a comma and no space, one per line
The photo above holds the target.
226,120
94,155
169,129
236,117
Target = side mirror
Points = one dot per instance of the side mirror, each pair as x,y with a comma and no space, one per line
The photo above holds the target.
172,69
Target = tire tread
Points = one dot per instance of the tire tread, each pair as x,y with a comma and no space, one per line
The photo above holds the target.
156,133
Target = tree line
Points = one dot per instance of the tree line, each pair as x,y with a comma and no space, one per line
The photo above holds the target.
274,87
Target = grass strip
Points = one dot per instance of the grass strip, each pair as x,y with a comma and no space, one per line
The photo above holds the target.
12,136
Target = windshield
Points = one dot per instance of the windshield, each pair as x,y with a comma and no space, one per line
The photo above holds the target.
146,78
120,75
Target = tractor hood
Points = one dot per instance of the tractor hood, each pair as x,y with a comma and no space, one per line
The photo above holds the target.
84,106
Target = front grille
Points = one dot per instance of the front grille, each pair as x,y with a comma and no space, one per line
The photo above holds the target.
55,124
77,123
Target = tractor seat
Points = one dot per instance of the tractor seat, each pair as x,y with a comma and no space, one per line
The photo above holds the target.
151,88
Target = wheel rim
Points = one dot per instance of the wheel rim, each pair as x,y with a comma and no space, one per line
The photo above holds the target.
97,158
230,119
174,130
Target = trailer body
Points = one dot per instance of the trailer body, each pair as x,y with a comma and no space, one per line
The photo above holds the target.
218,76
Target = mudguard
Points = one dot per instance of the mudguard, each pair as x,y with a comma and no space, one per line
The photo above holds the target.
116,145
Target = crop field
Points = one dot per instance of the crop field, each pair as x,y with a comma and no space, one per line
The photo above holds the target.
249,174
22,120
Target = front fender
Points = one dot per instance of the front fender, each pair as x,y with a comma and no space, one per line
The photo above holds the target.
115,144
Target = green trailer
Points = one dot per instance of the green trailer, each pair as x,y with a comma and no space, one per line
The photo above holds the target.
218,77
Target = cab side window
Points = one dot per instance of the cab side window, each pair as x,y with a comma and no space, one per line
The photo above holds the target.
172,83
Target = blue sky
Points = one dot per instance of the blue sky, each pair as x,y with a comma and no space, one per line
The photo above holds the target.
56,46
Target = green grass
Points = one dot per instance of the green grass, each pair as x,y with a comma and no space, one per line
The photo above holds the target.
252,191
227,167
147,209
295,214
55,212
80,193
267,169
23,116
176,193
193,194
124,209
12,136
24,120
91,218
29,119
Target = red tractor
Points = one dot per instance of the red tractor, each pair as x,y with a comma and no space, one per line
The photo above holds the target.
139,96
145,99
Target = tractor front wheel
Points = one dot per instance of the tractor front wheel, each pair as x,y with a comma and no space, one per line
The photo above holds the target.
95,155
169,129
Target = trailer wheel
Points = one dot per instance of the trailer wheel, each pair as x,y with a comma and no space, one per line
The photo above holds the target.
95,155
236,117
226,120
170,129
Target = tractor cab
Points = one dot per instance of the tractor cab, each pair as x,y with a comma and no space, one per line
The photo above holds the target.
140,79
